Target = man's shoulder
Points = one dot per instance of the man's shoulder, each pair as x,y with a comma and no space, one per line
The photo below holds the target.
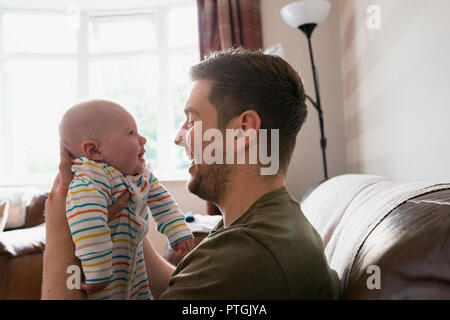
232,264
232,250
229,237
238,261
272,229
296,247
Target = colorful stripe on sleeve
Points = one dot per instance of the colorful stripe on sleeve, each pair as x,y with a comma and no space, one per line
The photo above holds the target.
169,219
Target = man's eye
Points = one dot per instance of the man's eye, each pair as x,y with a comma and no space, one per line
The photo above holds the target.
190,121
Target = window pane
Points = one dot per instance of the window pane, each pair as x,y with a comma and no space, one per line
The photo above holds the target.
133,85
122,33
40,33
179,87
182,24
39,94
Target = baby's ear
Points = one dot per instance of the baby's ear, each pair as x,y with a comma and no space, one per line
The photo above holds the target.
91,150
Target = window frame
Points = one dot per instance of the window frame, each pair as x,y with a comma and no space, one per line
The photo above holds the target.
82,57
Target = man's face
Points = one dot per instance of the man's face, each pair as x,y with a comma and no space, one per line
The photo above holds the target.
208,181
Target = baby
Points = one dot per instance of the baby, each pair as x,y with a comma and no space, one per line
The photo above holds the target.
103,139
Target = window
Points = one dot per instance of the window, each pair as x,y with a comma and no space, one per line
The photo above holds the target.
138,58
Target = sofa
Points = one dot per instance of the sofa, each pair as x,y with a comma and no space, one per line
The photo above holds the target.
21,253
386,239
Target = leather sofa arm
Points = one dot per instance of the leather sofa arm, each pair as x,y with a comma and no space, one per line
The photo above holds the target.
20,242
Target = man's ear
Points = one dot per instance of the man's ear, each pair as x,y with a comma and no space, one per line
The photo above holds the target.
248,124
250,120
91,150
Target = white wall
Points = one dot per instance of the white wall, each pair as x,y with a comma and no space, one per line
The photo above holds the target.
306,166
396,83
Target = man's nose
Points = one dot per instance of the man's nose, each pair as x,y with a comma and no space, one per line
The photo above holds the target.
181,136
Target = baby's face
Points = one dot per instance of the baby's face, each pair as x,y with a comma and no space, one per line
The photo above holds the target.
104,131
122,146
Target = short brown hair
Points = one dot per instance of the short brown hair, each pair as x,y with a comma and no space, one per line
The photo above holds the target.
251,80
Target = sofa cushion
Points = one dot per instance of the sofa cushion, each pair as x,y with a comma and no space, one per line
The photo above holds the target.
4,204
410,246
19,198
325,204
21,277
21,242
347,209
35,214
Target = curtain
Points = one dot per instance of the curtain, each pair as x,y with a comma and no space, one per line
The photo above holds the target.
224,24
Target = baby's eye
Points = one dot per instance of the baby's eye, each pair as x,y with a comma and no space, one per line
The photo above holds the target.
131,133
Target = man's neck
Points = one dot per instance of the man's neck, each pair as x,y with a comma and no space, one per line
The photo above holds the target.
240,196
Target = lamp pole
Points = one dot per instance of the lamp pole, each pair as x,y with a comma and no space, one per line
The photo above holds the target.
307,30
305,15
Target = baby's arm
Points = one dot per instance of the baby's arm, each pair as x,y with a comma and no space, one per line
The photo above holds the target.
86,212
169,219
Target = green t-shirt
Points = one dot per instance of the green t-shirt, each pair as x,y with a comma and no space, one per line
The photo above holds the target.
270,252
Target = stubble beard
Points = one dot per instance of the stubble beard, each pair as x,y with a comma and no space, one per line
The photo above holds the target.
210,182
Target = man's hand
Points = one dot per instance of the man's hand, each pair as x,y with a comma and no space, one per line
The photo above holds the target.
55,205
59,246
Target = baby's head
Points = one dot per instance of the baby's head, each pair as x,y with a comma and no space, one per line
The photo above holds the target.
103,131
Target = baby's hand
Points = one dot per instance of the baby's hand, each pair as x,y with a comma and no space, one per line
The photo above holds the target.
183,247
94,287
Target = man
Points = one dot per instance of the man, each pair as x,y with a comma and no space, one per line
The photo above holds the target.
264,248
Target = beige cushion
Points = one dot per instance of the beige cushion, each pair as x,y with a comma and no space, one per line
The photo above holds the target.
4,204
18,198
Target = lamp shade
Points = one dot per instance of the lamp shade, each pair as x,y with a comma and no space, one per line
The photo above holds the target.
305,12
275,50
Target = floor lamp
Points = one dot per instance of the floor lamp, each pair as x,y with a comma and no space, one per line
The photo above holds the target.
306,15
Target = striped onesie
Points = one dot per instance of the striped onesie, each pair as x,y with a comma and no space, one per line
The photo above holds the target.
112,250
